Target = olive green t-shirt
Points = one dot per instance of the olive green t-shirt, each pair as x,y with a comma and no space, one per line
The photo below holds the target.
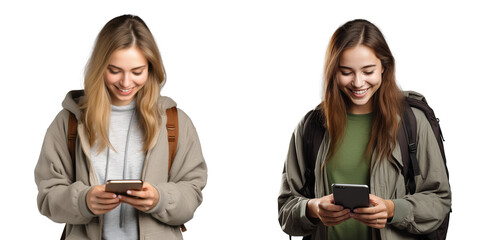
349,165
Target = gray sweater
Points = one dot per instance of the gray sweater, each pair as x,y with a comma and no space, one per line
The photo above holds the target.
125,161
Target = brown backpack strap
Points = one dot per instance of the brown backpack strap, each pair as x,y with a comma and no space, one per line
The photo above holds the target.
72,136
172,129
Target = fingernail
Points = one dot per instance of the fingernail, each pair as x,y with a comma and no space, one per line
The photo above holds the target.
114,195
119,196
129,192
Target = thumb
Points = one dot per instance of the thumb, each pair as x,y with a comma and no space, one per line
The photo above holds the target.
374,200
330,199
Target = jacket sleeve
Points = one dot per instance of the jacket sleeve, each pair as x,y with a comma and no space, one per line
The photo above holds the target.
59,198
180,197
291,203
425,210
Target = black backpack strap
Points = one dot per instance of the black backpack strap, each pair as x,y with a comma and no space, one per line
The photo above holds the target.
313,132
407,137
434,122
403,142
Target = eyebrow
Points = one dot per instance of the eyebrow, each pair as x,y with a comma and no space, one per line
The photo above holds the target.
349,68
136,68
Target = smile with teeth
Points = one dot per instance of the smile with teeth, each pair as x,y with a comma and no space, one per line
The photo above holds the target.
125,91
360,92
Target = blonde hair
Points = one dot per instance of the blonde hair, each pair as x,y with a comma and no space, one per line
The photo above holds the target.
121,33
387,101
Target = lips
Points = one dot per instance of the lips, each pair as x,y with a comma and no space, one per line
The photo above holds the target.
124,92
359,93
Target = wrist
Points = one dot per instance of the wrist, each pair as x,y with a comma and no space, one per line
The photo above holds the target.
390,209
307,210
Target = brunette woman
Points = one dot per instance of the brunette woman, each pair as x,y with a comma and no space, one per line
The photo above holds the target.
362,107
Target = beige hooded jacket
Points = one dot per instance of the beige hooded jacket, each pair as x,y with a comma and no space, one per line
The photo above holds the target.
62,198
419,213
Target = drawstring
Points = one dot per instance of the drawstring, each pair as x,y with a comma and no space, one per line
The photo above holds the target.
122,207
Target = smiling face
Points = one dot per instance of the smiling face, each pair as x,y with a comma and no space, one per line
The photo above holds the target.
126,74
359,76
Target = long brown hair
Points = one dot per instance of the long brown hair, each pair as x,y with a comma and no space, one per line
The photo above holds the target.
121,33
387,101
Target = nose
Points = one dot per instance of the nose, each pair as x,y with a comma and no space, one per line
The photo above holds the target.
358,81
125,81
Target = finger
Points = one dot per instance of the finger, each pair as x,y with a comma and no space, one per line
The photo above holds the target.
333,211
143,208
331,207
145,193
333,214
372,210
332,221
104,201
101,200
374,200
136,201
98,206
99,192
107,201
140,204
99,209
376,223
330,198
372,220
369,217
367,210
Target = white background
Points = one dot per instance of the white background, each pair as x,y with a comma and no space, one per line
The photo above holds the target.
245,72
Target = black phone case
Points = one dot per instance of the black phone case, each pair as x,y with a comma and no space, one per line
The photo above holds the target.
351,196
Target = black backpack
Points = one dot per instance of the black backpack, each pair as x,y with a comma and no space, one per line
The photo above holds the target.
314,131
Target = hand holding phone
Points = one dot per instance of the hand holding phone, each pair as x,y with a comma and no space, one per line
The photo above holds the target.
351,196
144,199
324,209
100,202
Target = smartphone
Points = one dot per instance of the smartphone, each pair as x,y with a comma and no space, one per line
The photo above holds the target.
351,196
121,186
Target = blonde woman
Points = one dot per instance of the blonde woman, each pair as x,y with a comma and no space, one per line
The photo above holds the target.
121,135
361,111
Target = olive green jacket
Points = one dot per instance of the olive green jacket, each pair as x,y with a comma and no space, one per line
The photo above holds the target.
62,198
419,213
